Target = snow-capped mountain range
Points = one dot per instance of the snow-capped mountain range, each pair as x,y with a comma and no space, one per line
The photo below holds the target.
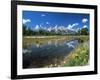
57,29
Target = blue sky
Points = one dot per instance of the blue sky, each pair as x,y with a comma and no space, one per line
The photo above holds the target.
47,19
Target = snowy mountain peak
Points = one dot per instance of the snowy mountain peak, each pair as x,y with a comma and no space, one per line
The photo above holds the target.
58,29
37,27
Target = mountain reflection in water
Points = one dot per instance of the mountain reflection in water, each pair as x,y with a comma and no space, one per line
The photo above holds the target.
48,54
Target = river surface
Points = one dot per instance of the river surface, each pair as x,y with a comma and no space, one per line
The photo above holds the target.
49,54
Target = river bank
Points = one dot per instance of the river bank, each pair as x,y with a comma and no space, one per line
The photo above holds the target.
78,57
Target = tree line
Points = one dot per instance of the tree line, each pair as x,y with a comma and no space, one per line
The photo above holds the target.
29,32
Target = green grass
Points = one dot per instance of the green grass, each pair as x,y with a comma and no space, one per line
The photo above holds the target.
78,57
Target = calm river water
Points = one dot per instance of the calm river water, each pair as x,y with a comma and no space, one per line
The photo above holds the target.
47,54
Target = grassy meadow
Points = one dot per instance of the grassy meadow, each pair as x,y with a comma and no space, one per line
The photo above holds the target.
29,40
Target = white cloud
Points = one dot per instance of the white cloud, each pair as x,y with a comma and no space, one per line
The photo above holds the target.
75,24
43,15
84,20
71,26
26,20
85,26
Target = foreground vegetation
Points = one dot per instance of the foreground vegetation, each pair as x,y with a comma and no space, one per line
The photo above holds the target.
78,57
